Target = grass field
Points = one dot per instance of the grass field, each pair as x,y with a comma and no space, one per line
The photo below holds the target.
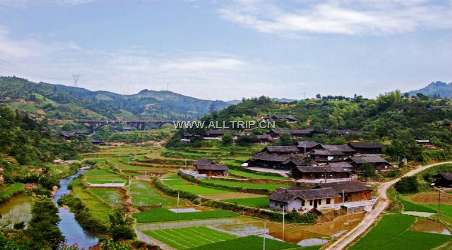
259,202
101,176
8,191
249,243
143,194
176,182
410,206
255,175
190,237
108,195
163,214
246,185
97,207
392,232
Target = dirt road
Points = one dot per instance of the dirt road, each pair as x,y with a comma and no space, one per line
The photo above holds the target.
372,216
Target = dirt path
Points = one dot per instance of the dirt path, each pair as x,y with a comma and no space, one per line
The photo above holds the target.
372,216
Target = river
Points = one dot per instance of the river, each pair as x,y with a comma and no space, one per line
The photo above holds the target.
69,227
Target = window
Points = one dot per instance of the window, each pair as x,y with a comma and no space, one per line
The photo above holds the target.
328,201
302,203
320,201
310,203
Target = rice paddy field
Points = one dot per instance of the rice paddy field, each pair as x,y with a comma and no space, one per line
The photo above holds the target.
111,196
250,175
250,243
102,176
178,183
144,194
246,185
259,202
190,237
163,214
394,232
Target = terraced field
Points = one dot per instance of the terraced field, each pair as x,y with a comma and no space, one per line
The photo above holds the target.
102,176
176,182
393,232
143,194
246,185
163,214
251,243
190,237
98,208
110,196
259,202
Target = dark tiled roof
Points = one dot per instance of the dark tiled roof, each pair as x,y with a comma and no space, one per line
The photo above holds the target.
323,152
446,175
265,156
282,149
280,131
215,132
264,137
323,169
365,145
368,158
287,195
307,144
347,187
204,164
341,148
342,164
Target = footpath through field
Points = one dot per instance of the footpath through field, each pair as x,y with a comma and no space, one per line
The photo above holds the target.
372,216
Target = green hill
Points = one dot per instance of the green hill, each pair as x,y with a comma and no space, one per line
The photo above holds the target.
64,102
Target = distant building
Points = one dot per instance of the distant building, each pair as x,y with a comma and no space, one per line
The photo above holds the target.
374,160
265,138
344,148
277,132
353,194
443,179
366,147
322,174
281,149
302,200
209,168
323,155
308,146
214,134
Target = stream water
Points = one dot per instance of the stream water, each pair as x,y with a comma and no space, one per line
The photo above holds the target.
18,209
69,227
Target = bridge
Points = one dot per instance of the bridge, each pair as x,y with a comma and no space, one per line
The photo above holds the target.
138,124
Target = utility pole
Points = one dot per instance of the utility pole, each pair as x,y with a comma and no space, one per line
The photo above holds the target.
75,77
265,230
283,222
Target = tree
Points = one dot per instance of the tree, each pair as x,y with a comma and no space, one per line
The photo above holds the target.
120,226
43,229
407,185
227,139
369,171
285,139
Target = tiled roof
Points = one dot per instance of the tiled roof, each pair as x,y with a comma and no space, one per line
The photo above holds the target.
287,195
368,158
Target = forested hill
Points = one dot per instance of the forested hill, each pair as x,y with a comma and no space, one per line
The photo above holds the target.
391,119
64,102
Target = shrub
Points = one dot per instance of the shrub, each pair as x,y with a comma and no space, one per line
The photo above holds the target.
407,185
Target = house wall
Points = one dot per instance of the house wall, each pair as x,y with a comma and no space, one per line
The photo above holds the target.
357,196
302,205
213,173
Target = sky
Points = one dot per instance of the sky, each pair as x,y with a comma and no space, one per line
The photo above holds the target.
229,49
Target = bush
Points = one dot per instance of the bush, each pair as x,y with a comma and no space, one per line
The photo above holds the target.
407,185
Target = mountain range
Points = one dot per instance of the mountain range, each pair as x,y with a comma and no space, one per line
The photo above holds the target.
435,89
65,102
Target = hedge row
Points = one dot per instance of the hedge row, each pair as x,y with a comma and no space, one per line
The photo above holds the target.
82,214
307,218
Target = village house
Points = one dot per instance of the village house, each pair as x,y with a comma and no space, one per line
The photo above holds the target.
268,160
283,118
322,174
366,147
443,179
277,132
214,134
302,200
374,160
426,143
308,146
282,149
209,168
352,196
323,155
344,148
265,138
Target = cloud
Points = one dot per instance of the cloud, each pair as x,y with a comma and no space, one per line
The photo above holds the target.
203,74
347,17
